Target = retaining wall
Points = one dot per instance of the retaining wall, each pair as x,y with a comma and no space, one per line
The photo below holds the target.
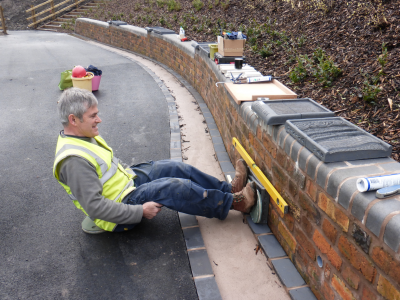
356,235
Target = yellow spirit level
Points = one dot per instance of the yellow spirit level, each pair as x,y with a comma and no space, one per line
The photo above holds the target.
273,193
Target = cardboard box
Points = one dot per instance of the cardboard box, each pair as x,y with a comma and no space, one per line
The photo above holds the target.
228,47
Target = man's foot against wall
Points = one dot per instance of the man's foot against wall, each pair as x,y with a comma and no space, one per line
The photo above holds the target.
240,180
90,227
245,199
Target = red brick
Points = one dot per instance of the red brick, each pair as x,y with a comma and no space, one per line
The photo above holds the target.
287,236
327,291
368,294
314,272
308,205
324,246
329,230
328,206
386,289
305,243
357,259
288,219
269,145
311,189
259,133
327,271
352,278
281,158
306,225
273,220
341,288
387,263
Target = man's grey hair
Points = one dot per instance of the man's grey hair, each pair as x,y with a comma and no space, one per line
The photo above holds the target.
74,101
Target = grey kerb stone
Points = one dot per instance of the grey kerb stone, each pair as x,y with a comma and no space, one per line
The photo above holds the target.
335,139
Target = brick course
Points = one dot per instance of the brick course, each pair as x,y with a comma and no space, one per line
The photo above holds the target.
316,223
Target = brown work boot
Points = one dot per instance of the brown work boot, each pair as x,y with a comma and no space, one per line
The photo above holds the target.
245,199
239,182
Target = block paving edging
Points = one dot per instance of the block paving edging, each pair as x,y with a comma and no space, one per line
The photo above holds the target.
354,235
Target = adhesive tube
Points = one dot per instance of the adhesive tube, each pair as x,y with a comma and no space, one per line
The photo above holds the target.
259,79
378,182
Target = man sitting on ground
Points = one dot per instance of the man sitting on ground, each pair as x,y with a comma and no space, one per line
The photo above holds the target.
115,197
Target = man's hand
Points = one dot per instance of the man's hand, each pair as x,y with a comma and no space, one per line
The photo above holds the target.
151,209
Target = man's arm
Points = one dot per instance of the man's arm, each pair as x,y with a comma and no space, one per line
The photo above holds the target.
85,185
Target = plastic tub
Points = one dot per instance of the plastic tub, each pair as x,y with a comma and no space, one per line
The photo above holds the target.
213,49
96,83
84,82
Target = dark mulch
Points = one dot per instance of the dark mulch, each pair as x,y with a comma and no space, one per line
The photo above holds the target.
350,32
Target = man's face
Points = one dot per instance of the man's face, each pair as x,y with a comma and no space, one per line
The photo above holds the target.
88,126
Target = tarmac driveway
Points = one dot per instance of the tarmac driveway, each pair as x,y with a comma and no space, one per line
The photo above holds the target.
44,254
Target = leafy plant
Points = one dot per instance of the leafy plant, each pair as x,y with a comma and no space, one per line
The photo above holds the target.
382,59
162,21
301,40
370,88
197,4
160,3
173,5
299,72
225,4
266,50
325,70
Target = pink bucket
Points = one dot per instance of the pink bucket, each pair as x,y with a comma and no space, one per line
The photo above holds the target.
96,83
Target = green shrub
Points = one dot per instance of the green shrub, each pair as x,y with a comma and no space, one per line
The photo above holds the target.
160,3
173,5
266,50
299,72
197,4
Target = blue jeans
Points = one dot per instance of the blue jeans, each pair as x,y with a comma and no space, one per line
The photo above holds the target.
180,187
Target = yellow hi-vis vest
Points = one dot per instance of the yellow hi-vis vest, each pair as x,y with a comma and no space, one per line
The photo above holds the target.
116,181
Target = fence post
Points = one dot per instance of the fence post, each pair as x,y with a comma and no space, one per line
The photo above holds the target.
3,21
33,16
52,9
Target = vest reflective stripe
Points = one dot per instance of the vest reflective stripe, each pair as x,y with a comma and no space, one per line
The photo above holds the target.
116,181
101,162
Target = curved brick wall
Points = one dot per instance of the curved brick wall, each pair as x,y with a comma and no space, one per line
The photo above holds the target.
356,235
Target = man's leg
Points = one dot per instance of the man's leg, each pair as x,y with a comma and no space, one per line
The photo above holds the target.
185,196
154,170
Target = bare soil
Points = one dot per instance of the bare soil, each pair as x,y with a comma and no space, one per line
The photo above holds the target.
353,35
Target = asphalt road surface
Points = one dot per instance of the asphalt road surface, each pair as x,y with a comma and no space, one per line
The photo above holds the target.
44,253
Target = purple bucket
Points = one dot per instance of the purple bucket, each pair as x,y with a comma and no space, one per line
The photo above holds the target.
95,83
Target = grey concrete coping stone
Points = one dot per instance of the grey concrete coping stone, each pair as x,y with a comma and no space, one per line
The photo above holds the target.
160,30
391,236
303,293
379,211
335,139
271,246
276,112
91,21
117,23
207,288
288,273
